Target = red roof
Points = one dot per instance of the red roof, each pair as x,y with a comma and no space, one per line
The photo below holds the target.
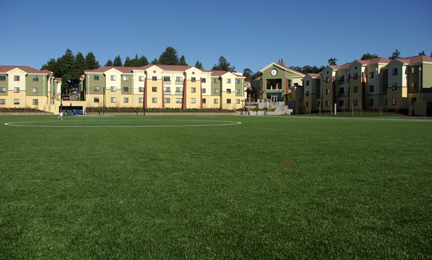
374,60
314,75
415,59
27,69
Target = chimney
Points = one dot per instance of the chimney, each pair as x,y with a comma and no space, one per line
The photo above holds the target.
281,62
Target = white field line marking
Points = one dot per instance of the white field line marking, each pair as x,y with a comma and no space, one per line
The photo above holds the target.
220,123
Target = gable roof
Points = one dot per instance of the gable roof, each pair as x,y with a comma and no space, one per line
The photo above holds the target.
282,67
374,60
4,69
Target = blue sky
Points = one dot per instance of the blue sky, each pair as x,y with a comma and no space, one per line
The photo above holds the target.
249,34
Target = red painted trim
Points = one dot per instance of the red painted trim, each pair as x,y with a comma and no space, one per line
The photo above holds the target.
286,86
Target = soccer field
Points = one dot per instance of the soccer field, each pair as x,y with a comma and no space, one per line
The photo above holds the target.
176,187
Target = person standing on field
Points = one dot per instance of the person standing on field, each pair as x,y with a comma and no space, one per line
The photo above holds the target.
60,117
245,109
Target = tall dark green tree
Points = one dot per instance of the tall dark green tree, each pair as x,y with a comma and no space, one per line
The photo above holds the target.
79,66
91,61
169,57
396,54
297,68
368,56
142,61
247,72
199,65
51,66
109,63
332,61
65,65
128,62
182,60
118,61
256,75
155,61
422,53
224,65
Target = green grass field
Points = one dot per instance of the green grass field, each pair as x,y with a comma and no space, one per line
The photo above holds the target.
208,187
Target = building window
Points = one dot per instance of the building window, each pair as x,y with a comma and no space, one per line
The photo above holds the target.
2,101
414,70
125,100
203,80
154,100
413,100
113,100
154,78
371,75
141,78
327,103
167,78
307,93
35,90
204,100
95,77
237,91
307,82
228,91
355,89
16,101
16,78
370,102
179,100
193,100
354,102
203,90
216,91
167,100
35,101
327,79
413,85
96,100
167,89
341,90
96,89
237,101
237,81
371,88
341,103
327,91
179,79
179,89
215,81
193,79
2,90
113,88
140,100
35,78
216,101
228,81
394,72
2,78
228,101
141,89
393,101
154,89
193,90
125,78
113,77
16,90
394,86
125,89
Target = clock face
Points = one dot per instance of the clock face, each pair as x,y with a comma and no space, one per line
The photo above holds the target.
274,72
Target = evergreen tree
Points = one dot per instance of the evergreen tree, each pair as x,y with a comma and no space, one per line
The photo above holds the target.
118,61
169,57
128,62
297,68
396,54
182,60
199,65
64,66
368,56
109,63
223,65
247,72
422,53
79,66
155,61
51,66
142,61
91,61
332,61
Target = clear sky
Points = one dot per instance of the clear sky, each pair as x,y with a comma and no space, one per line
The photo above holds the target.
249,34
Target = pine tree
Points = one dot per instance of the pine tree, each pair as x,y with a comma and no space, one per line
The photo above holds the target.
109,63
142,61
118,61
199,65
182,60
128,62
155,61
169,57
332,61
368,56
51,66
396,54
91,61
223,65
79,66
65,66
